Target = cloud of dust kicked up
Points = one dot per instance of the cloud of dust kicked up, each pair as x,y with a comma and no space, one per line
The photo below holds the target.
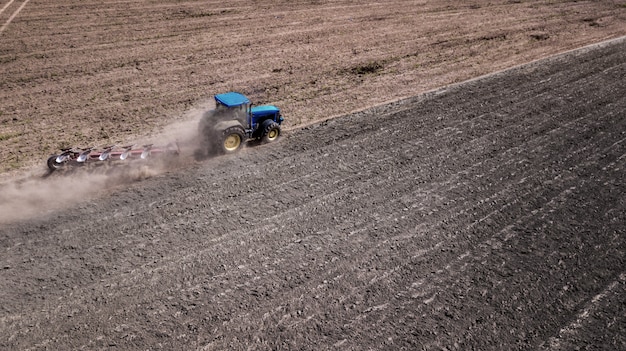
38,193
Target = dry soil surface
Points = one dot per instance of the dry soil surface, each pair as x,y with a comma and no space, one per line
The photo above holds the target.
488,215
97,72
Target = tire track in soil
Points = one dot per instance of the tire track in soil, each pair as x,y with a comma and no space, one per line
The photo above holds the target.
6,6
340,277
12,17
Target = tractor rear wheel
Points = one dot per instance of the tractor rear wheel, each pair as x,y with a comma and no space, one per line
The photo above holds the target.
271,131
232,139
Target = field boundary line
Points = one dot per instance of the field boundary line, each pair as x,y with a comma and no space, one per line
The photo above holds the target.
19,9
5,6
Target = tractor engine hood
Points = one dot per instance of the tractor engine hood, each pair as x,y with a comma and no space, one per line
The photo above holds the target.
266,110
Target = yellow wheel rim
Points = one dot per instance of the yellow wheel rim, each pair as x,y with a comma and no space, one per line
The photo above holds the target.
232,142
273,134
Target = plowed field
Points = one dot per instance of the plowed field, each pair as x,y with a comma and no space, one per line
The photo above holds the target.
487,215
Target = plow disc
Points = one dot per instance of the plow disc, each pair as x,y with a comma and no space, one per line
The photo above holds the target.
72,157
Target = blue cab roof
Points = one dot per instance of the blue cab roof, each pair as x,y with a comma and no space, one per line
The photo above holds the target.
232,99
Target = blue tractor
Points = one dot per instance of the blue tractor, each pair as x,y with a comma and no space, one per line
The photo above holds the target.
235,121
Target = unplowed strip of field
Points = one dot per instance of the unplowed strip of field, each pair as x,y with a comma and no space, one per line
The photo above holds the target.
101,72
487,215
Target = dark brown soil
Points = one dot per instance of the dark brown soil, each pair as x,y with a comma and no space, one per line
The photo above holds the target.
488,215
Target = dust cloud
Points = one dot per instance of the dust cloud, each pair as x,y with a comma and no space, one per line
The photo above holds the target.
185,130
38,193
34,196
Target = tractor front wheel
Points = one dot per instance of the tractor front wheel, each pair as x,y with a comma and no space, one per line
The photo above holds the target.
232,139
271,131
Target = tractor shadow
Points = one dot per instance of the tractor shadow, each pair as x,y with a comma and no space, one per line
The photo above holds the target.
211,151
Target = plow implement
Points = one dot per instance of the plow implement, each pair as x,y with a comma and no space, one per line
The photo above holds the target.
72,157
223,130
